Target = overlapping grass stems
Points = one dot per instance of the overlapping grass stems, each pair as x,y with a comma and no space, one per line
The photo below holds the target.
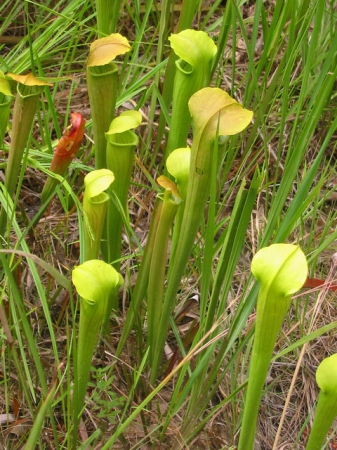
250,177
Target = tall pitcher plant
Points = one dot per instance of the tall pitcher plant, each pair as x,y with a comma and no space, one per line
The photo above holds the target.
95,205
102,81
95,282
281,270
121,143
214,114
29,89
196,52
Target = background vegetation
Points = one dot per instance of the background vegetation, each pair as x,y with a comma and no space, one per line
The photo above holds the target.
275,183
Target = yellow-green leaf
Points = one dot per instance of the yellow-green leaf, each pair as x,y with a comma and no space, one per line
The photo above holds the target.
125,122
193,46
94,280
28,80
97,181
281,268
178,164
168,185
104,50
214,107
326,375
4,85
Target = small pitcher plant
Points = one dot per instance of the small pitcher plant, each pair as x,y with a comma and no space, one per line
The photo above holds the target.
281,270
95,282
214,114
326,409
95,204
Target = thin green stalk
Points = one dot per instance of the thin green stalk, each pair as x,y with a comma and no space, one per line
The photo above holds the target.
224,32
232,247
140,289
44,409
156,284
107,15
326,409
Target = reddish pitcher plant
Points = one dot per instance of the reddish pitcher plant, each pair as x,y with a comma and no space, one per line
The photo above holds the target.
65,152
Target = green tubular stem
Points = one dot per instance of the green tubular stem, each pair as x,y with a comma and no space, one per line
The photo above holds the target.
326,412
23,115
95,209
49,187
188,80
143,277
107,14
267,327
326,409
281,270
222,116
102,88
157,279
120,156
87,338
231,249
91,319
188,10
197,194
94,281
88,332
